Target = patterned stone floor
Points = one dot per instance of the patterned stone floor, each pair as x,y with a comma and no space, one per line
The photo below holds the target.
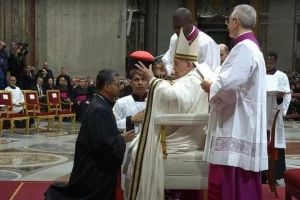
44,156
49,156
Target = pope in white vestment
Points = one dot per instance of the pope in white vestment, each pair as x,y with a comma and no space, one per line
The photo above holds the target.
144,167
208,51
236,144
279,100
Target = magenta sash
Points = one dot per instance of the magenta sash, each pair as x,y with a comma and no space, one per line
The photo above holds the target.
81,98
64,94
245,36
193,34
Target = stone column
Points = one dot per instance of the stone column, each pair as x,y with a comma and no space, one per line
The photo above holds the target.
257,5
281,27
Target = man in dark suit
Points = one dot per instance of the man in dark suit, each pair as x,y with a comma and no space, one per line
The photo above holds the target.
45,73
99,149
40,90
63,74
28,78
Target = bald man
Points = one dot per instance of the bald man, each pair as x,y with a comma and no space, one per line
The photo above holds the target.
224,51
209,51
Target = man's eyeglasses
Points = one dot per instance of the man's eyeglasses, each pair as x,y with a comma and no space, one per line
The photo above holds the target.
227,21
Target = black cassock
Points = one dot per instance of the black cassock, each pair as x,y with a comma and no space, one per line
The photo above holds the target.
99,153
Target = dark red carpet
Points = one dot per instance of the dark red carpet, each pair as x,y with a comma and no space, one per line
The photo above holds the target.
267,195
20,190
34,190
8,188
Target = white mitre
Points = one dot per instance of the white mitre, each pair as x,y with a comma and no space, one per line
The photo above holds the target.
185,50
190,52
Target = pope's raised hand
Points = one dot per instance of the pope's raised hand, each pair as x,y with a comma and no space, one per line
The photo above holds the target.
147,74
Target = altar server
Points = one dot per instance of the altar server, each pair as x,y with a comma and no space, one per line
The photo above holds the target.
279,101
208,51
236,143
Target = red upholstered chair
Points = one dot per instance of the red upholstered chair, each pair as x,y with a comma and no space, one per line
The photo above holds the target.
272,156
7,114
292,184
54,105
33,109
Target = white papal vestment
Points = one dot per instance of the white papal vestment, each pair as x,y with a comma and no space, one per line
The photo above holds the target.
144,164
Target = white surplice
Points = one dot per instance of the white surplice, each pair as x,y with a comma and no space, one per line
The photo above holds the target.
125,107
237,128
272,107
17,97
209,52
182,96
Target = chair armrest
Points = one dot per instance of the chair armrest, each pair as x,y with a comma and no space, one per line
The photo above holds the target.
56,105
67,103
182,119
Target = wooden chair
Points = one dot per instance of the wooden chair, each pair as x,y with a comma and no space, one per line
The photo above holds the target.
7,114
272,156
177,175
54,105
33,109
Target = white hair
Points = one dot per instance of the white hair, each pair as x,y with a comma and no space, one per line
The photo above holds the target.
246,14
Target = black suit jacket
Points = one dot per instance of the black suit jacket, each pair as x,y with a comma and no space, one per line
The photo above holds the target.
45,78
67,77
35,88
28,81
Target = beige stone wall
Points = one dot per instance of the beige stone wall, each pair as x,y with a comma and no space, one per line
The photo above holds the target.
80,35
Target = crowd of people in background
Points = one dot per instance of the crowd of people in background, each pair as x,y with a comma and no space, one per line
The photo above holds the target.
13,63
16,74
294,78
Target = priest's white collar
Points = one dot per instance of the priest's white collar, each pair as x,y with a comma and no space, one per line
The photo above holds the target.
191,31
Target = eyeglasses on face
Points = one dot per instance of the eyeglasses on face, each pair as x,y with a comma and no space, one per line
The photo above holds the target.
227,21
